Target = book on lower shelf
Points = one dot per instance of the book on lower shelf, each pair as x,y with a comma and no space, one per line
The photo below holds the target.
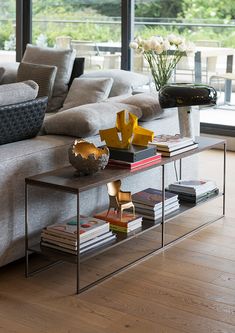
152,197
148,203
63,236
192,198
195,187
129,221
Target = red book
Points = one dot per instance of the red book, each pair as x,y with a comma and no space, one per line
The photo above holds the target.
133,166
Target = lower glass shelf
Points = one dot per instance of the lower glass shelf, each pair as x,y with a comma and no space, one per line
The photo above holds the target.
147,225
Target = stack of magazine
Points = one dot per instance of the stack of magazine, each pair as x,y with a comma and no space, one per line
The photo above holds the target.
63,236
129,221
170,145
148,203
194,190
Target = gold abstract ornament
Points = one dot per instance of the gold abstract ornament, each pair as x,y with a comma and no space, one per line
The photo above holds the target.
87,158
126,133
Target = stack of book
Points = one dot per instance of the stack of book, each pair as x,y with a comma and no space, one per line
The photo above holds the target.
129,222
63,236
134,158
148,203
170,145
194,190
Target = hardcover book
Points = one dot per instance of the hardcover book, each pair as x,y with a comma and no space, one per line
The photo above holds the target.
135,165
194,187
133,154
153,197
129,221
178,151
171,142
90,227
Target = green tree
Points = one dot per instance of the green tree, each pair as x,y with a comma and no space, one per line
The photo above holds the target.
210,9
159,8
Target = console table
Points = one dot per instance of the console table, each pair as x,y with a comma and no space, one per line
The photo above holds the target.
64,180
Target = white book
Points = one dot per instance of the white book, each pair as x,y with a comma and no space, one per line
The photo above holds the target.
171,142
195,187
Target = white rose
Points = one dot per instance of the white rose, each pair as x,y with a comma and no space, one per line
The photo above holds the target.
166,45
153,43
159,49
134,45
147,45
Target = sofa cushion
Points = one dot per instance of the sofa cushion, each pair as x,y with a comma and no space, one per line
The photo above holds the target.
9,72
123,81
44,75
18,92
87,90
63,60
86,120
148,103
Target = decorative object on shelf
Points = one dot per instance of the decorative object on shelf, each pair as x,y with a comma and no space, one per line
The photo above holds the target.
183,96
87,158
162,55
118,199
130,131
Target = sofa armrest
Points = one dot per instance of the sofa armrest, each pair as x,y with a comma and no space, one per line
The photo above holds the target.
8,72
22,120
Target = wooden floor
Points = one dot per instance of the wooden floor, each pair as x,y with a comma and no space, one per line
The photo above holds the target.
189,287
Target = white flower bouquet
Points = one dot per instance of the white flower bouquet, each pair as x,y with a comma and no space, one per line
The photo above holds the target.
162,55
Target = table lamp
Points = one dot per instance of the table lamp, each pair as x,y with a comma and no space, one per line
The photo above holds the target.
183,96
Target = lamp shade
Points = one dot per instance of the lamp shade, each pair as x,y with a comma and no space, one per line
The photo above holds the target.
186,94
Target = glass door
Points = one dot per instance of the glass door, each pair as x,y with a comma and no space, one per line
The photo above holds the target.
7,31
92,28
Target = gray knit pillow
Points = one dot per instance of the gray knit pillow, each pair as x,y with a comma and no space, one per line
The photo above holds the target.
18,92
44,75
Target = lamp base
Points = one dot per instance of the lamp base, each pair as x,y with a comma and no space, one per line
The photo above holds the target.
186,122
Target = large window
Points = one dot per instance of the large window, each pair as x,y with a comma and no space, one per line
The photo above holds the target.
7,30
208,24
92,28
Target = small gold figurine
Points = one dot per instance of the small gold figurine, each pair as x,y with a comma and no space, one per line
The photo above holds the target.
119,200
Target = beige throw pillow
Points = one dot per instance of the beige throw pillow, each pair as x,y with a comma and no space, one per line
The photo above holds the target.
148,103
87,90
124,82
44,75
63,60
18,92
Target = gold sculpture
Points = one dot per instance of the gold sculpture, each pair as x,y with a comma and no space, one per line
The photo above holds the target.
130,132
119,200
87,158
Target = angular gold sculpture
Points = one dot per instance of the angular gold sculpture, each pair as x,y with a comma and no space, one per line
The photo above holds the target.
130,132
119,200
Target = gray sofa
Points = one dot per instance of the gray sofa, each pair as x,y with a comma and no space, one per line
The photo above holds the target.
45,152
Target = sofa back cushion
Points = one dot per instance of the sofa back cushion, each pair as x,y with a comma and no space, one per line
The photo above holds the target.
148,103
87,90
124,82
63,60
86,120
43,75
14,93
